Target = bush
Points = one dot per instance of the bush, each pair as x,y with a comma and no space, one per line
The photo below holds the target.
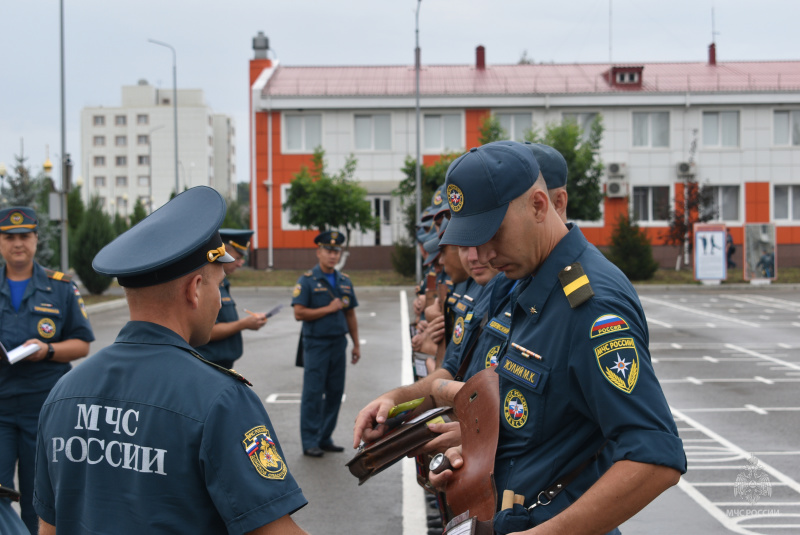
631,252
94,233
404,259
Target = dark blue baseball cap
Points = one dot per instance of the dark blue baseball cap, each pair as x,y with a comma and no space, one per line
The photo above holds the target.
178,238
479,186
431,246
18,220
551,163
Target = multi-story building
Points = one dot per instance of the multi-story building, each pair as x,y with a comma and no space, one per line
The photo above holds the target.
734,126
128,152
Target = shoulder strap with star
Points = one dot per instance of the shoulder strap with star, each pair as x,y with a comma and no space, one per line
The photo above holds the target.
57,275
222,369
576,285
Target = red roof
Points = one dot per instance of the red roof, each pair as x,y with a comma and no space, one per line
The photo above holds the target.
465,80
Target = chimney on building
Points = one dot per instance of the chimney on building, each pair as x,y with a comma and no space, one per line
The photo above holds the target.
712,54
480,58
260,45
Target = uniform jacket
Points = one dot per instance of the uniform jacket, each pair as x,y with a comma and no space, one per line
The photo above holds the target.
313,291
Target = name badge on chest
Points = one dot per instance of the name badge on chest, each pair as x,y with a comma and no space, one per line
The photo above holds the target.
523,372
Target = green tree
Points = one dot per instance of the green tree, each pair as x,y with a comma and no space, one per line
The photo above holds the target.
320,200
631,251
22,189
584,167
94,233
490,130
237,215
120,224
139,212
75,208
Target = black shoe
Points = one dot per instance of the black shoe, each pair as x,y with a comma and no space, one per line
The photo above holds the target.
332,448
313,452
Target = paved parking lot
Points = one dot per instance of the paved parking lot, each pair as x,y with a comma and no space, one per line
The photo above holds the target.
728,359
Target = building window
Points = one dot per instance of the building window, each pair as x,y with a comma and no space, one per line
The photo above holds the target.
99,181
651,129
786,203
122,181
122,203
102,202
99,120
143,159
787,127
99,141
651,203
303,132
99,161
120,120
285,212
144,181
121,141
627,77
121,161
442,133
210,141
386,213
373,132
142,139
515,125
724,202
720,128
142,119
584,121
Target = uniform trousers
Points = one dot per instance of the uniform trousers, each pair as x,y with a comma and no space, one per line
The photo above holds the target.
323,386
19,420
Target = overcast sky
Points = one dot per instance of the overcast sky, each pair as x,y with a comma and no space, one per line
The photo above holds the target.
106,46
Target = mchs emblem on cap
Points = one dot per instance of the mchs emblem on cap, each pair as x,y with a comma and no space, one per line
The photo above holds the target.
455,197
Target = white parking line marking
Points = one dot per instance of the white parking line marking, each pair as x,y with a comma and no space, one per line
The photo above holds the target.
764,301
763,356
764,380
413,509
711,359
738,409
694,380
696,311
785,346
697,381
675,346
795,324
659,323
285,397
755,409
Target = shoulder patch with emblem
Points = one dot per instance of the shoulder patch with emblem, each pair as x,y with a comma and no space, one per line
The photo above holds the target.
57,275
608,323
263,453
576,285
618,361
308,273
458,330
297,289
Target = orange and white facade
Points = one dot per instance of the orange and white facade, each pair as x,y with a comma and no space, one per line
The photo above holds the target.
734,126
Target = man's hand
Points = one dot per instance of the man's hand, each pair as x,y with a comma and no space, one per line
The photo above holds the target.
356,354
419,305
440,481
335,305
254,322
435,330
434,311
40,354
449,437
373,415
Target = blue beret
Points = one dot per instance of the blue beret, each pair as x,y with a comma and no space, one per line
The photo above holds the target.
551,163
479,186
18,220
330,239
178,238
239,239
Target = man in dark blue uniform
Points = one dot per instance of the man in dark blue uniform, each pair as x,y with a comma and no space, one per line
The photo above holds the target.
37,307
226,344
147,436
586,435
324,300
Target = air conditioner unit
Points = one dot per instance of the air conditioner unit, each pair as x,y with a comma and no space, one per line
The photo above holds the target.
616,187
617,169
685,169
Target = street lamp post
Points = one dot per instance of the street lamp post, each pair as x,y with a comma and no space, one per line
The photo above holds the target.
418,171
66,164
174,105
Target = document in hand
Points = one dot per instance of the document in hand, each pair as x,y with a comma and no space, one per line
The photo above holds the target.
18,353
